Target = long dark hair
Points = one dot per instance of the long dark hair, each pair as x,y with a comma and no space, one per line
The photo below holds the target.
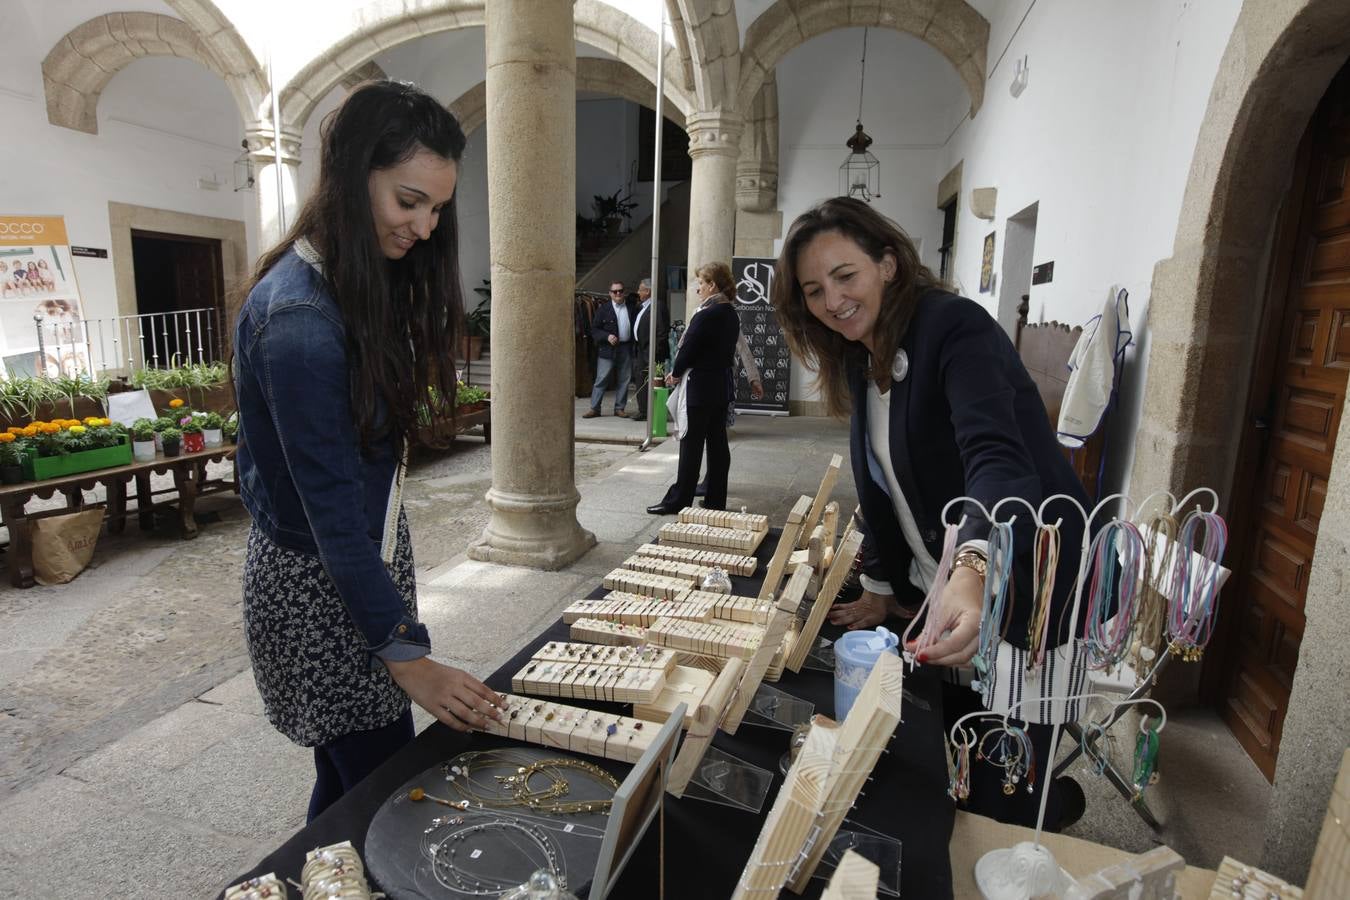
828,352
386,305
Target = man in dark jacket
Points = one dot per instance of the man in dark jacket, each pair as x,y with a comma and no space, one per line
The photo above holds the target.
612,330
642,331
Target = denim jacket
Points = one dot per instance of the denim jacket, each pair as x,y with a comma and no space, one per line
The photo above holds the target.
302,475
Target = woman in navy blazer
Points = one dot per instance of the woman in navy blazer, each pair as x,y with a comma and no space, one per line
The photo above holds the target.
704,358
940,407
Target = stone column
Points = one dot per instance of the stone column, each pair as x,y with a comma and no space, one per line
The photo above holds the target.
273,198
714,146
758,220
531,168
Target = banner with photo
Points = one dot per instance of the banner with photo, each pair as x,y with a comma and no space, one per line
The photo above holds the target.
41,315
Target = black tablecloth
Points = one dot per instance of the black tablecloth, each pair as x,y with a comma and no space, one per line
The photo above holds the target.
707,844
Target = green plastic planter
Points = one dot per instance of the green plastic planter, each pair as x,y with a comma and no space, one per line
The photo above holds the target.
40,468
658,411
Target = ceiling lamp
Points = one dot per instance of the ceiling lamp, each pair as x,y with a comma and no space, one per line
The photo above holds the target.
860,175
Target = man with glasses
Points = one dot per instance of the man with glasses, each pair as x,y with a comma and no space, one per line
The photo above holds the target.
612,331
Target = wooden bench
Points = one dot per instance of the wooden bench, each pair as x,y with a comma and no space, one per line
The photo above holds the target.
189,479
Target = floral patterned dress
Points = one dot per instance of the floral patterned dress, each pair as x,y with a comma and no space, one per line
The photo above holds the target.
309,660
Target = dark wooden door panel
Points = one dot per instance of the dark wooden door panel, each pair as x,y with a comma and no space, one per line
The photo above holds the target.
1307,373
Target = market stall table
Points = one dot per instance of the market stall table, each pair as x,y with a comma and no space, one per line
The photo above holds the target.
706,845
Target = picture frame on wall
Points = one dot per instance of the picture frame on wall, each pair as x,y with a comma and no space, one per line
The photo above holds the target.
987,265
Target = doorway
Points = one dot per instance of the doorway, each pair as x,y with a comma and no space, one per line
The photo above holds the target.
1019,245
1293,416
180,295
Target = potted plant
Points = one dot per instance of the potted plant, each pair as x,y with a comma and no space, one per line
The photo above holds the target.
143,440
161,424
11,458
478,324
69,447
212,425
231,429
613,210
193,439
171,438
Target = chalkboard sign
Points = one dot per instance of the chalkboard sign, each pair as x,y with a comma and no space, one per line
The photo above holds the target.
754,283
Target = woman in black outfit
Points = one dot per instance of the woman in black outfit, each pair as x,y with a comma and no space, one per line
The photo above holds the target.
704,357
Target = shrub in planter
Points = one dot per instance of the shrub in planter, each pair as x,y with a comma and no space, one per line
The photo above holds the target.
172,439
212,425
161,424
143,440
231,430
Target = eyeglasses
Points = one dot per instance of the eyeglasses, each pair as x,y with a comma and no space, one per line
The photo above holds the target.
616,290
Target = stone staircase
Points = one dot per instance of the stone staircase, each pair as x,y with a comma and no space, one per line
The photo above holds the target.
477,373
588,259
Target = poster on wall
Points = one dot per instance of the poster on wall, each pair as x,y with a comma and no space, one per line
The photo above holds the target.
41,316
754,285
987,265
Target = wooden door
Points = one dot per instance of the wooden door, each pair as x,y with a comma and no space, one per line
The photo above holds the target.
1296,411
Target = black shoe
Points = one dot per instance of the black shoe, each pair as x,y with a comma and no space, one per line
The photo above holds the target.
639,418
718,508
1072,801
701,490
663,509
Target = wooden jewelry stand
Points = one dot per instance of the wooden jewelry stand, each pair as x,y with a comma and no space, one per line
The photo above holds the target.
572,728
591,672
603,631
787,542
721,518
822,498
840,566
733,563
707,537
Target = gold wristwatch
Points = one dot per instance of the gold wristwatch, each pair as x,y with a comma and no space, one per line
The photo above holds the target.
972,559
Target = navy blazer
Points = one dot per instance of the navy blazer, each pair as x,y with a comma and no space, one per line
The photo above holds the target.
706,352
966,420
642,332
606,322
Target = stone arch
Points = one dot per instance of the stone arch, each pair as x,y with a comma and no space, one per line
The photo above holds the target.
80,65
603,76
597,24
1203,316
713,48
952,27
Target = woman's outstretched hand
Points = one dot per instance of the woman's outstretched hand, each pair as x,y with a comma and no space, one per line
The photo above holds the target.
867,611
451,695
959,625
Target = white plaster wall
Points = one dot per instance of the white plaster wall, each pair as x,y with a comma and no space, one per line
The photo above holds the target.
912,101
1102,138
163,124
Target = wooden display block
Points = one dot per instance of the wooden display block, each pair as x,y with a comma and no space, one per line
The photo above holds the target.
646,657
693,573
684,684
829,590
722,639
822,498
734,608
573,728
608,682
721,518
631,609
792,819
602,631
704,725
731,563
647,585
706,537
771,646
863,735
787,542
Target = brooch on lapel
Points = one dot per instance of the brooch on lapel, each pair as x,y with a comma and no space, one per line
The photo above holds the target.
901,367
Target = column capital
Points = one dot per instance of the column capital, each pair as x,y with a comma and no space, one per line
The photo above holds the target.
261,144
714,133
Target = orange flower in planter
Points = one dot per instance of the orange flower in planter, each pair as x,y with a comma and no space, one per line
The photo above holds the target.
7,438
14,429
29,431
175,403
77,429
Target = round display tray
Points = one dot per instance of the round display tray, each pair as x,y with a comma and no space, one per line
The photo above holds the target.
397,844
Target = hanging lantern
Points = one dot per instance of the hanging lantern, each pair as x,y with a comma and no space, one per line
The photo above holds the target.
243,169
860,175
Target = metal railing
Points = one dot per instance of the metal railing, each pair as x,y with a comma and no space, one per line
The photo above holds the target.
125,344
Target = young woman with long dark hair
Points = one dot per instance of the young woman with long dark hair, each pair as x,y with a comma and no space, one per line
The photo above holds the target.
940,407
348,328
